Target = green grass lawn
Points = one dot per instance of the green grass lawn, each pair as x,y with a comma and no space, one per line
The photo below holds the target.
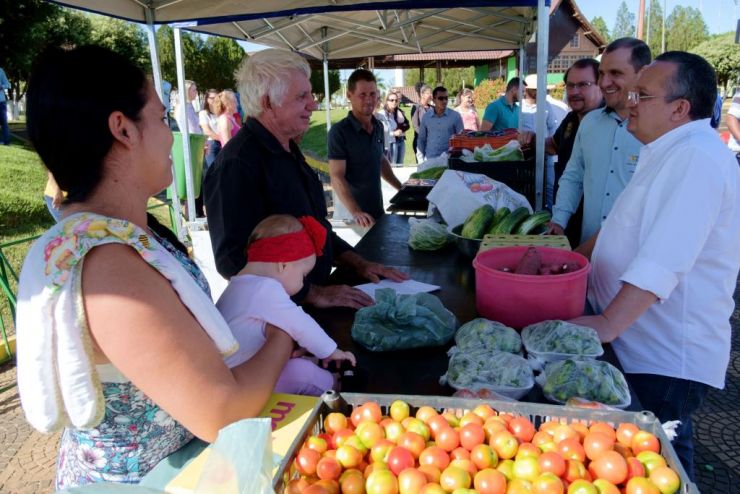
314,141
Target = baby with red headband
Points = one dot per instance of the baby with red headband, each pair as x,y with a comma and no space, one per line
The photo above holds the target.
281,251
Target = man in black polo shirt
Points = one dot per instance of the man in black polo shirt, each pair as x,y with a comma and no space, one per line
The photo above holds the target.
356,158
261,171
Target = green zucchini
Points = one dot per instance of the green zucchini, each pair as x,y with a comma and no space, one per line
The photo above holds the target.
510,222
534,221
478,222
501,213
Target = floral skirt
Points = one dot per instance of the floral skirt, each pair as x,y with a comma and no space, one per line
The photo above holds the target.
133,437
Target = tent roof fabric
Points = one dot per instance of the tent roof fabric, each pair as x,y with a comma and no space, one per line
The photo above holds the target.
343,28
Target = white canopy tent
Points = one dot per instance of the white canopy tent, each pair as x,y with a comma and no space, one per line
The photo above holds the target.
346,29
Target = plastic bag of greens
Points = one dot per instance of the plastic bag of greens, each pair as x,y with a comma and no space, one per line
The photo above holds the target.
593,380
397,322
487,335
549,341
502,372
427,234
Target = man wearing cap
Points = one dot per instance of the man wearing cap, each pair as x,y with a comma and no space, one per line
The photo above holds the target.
503,113
605,153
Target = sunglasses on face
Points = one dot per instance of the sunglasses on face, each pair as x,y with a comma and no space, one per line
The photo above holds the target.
442,98
391,100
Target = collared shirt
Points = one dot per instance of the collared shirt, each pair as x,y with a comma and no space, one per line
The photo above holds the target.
252,178
675,232
435,132
502,115
4,85
602,163
363,154
734,110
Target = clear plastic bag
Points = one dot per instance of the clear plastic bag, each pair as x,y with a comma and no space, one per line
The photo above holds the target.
489,335
549,341
502,372
427,234
397,322
593,380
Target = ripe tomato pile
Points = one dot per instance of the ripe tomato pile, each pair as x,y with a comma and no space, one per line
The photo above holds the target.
482,452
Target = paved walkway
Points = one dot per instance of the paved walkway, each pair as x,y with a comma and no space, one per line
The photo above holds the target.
27,458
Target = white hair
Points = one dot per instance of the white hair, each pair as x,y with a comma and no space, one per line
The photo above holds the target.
267,72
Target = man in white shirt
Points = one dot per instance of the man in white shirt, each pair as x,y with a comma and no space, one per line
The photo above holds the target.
665,263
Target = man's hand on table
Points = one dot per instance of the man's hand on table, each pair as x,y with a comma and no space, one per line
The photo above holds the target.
337,296
374,271
363,219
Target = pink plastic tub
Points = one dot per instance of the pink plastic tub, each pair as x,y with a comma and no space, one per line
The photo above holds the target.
518,300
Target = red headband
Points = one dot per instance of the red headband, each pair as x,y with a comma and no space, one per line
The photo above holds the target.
290,246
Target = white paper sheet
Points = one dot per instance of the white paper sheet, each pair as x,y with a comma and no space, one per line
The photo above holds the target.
408,287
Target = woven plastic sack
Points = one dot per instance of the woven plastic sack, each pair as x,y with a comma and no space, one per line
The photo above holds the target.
593,380
427,234
488,335
502,372
397,322
549,341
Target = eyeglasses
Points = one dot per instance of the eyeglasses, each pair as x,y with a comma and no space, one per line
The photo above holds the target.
442,98
580,85
634,98
391,100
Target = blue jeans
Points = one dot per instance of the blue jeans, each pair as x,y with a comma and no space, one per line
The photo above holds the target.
4,122
670,398
212,149
400,151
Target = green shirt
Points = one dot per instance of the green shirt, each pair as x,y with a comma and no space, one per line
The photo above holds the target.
502,115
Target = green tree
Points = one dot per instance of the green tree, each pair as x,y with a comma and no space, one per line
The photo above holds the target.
219,61
192,52
27,28
599,24
453,79
317,83
722,52
685,29
625,22
125,38
654,27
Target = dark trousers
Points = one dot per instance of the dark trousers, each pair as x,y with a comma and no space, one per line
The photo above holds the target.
212,149
4,122
670,398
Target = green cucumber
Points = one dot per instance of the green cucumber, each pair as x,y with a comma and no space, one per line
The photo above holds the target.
501,213
510,222
478,222
534,221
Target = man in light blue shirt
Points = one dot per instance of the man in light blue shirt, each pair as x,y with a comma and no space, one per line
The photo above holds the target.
605,153
4,86
503,113
438,126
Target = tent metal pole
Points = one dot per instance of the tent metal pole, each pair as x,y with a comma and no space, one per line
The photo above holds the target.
182,101
543,24
327,96
157,77
522,74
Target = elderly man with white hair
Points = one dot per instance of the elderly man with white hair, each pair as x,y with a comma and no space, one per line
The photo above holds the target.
261,171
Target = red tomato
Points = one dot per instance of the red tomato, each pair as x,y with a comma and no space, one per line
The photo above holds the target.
425,413
604,428
369,433
448,439
471,435
548,483
575,470
352,484
596,443
483,456
490,481
466,465
436,456
505,444
610,466
552,462
348,456
334,422
640,485
522,429
380,451
581,429
431,472
528,450
571,449
370,411
581,486
605,487
296,486
460,453
328,469
399,459
665,479
436,423
432,488
625,433
356,416
484,411
493,425
471,418
306,461
519,486
454,478
410,481
413,442
381,482
340,437
645,441
563,431
634,468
